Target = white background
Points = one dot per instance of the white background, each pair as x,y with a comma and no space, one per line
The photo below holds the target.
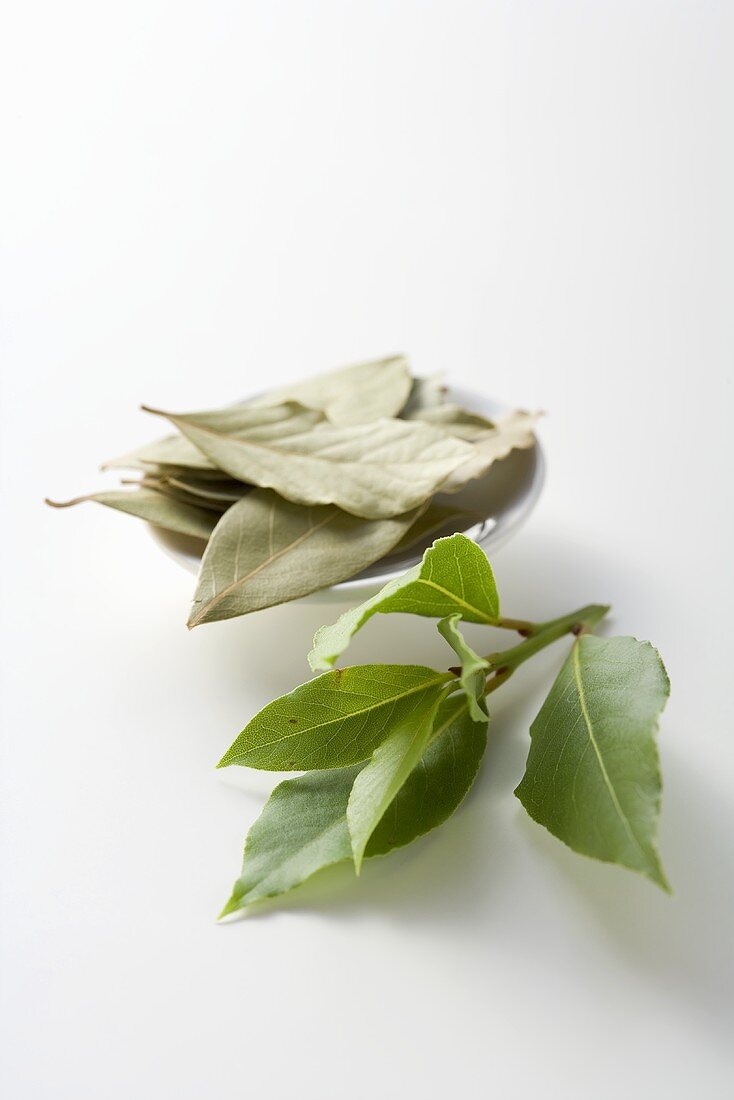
201,199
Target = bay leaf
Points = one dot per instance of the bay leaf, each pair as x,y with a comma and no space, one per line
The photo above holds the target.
592,776
511,432
453,577
303,827
434,518
374,470
425,393
242,420
474,668
155,507
265,551
356,394
455,420
389,767
334,720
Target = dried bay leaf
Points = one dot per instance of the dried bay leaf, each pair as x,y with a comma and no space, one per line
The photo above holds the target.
374,470
511,432
177,451
351,395
265,551
153,506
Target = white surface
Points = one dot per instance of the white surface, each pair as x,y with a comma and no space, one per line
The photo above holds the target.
198,199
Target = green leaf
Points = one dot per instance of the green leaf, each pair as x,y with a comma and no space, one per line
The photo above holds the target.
265,551
453,578
303,827
155,507
351,395
374,470
392,762
474,668
592,775
334,720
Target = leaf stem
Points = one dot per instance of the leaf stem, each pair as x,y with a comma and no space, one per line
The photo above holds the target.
504,663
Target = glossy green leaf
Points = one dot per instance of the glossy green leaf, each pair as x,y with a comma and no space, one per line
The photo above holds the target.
389,767
374,470
351,395
155,507
592,775
334,720
303,827
265,551
474,668
453,578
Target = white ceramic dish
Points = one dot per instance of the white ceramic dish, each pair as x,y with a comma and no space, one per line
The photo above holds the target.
505,496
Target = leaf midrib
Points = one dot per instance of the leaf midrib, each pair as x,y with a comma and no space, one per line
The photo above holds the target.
456,599
282,452
441,678
576,664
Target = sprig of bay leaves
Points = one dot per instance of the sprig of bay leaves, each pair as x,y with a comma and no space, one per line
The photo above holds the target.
308,485
390,751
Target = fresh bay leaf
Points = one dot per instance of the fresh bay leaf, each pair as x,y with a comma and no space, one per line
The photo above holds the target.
388,769
303,827
265,551
592,776
454,577
374,470
242,420
351,395
439,783
474,668
511,432
334,720
155,507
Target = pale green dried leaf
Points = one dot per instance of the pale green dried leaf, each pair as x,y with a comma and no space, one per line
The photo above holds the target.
266,551
374,470
351,395
157,508
512,432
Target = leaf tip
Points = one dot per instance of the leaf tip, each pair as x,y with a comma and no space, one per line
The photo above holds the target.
232,906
